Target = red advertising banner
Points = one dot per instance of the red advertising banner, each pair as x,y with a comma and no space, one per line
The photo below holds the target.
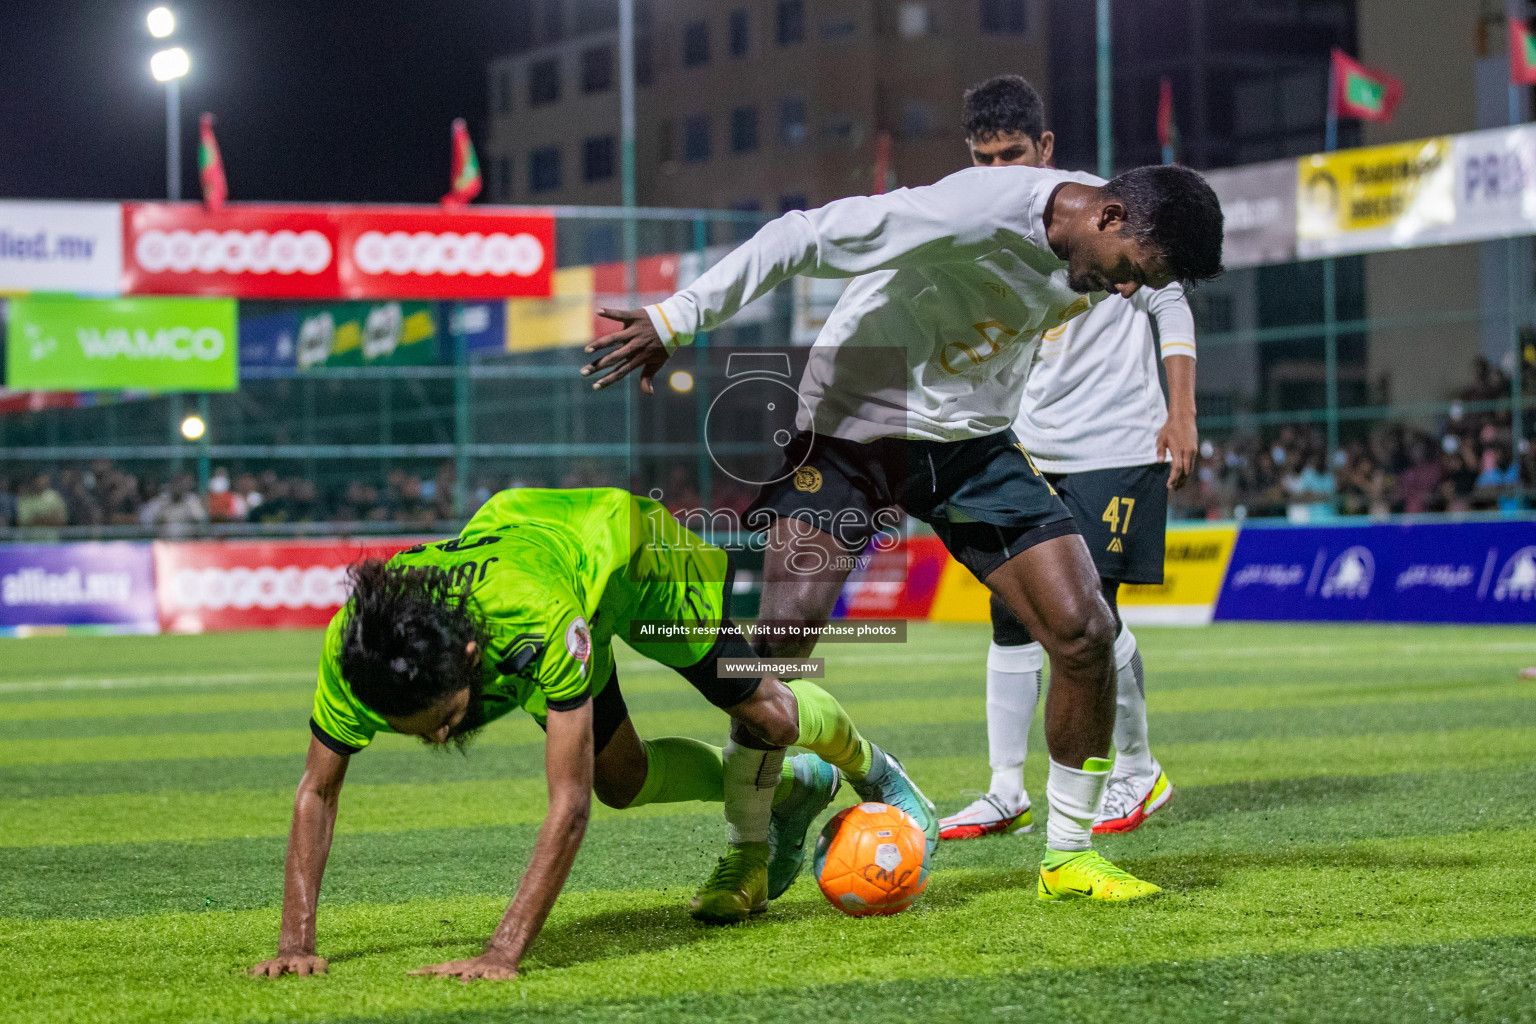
335,252
207,587
410,253
899,583
250,252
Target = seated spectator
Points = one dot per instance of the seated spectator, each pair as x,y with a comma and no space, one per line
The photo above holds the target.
1311,489
1498,484
40,510
177,511
1417,484
1459,471
7,503
225,505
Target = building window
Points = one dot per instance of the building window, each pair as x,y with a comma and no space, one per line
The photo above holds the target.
743,129
837,28
504,92
544,169
696,141
741,35
666,142
597,69
544,82
793,201
695,44
791,22
643,63
918,119
504,179
1004,17
597,159
914,20
791,120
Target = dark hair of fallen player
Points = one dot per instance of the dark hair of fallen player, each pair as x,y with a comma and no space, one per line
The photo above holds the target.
404,647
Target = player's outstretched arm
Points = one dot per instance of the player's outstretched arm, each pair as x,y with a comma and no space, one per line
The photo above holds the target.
309,844
635,346
568,764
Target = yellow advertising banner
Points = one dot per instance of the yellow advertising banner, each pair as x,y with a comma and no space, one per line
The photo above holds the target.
1193,568
564,319
1378,197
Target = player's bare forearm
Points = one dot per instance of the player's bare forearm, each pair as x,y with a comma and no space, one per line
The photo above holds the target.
309,846
1179,440
568,763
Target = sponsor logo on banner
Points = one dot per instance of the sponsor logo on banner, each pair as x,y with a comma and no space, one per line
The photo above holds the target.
100,344
1517,580
432,255
1350,574
1378,197
1194,562
212,587
61,247
109,585
1258,204
244,251
1495,184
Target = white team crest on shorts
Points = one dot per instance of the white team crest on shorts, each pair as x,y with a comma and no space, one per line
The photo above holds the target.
578,641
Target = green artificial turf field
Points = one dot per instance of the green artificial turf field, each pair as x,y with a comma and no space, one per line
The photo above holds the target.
1353,838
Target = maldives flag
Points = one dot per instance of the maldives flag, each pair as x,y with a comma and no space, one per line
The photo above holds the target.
1167,127
1362,92
210,166
1522,53
466,167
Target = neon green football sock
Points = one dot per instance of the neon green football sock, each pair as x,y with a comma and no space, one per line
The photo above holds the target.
826,730
679,769
786,782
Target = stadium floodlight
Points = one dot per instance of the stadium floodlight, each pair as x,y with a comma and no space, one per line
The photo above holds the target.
161,22
169,65
681,381
193,428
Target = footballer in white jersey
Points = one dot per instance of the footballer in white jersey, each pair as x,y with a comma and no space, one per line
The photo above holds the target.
1094,417
906,405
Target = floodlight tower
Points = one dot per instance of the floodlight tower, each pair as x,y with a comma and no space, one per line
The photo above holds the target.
169,66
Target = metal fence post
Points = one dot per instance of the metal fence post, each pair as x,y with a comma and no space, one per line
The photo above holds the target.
701,388
461,422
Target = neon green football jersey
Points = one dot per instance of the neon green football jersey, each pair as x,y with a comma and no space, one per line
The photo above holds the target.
554,575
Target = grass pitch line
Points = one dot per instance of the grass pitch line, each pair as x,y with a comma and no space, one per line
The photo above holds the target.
133,682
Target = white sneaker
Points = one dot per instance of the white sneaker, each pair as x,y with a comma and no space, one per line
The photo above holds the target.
1130,800
986,816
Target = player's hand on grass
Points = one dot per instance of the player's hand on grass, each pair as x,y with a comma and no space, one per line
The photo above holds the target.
1179,441
635,346
487,966
302,964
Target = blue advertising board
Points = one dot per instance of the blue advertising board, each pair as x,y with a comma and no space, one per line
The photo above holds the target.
1383,572
270,342
109,586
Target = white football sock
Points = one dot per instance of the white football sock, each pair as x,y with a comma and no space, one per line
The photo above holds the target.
751,776
1074,795
1133,756
1013,690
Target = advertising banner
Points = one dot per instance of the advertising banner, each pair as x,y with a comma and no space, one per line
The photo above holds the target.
59,344
1434,572
1194,563
61,247
269,342
427,254
110,586
1258,203
250,252
898,583
482,325
368,334
213,587
1375,198
1495,184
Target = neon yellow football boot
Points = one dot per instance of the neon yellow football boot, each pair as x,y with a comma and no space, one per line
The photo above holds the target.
1087,875
737,888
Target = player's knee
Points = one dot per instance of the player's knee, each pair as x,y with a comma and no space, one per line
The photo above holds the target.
770,715
616,793
1089,639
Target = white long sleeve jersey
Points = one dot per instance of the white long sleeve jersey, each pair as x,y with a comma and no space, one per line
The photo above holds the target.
1093,400
956,279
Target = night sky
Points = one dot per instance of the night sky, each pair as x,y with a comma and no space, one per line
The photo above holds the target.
347,100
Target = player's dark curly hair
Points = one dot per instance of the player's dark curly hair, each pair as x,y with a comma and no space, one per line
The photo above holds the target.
1000,106
404,648
1175,212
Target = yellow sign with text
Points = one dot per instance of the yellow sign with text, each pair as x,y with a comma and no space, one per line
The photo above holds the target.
1193,568
1375,197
